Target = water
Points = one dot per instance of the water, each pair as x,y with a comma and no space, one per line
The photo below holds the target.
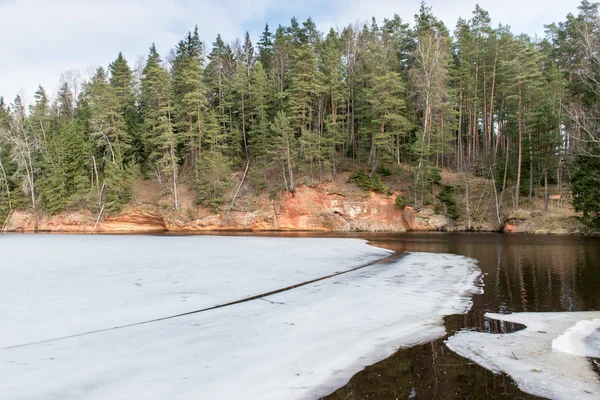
522,273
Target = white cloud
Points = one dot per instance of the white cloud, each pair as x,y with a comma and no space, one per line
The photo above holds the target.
40,39
528,16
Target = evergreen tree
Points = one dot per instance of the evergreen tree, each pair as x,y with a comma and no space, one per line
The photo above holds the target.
285,147
65,164
189,93
332,76
586,185
107,122
305,103
389,123
265,47
122,81
259,132
160,133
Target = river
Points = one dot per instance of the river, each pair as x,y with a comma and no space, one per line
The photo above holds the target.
522,273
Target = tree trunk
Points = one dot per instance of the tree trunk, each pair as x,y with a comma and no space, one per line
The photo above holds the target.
484,115
545,189
530,168
505,175
491,124
459,150
173,160
193,146
467,200
518,188
289,162
244,128
4,177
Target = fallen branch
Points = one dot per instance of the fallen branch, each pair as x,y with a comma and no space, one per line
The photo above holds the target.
98,219
238,189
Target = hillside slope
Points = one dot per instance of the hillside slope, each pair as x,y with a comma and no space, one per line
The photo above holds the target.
338,205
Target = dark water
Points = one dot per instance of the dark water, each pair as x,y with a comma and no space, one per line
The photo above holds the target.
522,273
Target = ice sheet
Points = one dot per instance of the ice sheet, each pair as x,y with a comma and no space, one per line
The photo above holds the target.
582,339
528,355
59,285
299,344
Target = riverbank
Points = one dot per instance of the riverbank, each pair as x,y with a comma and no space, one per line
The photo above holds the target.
307,209
336,206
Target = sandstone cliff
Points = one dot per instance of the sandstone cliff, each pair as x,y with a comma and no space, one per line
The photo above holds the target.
307,209
336,206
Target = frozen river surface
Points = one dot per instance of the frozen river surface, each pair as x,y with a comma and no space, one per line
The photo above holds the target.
100,317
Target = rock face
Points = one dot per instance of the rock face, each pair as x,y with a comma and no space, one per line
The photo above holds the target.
84,222
307,209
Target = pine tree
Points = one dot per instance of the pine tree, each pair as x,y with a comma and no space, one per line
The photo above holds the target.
389,123
161,136
332,76
66,101
259,131
189,93
65,179
122,81
265,47
285,146
107,122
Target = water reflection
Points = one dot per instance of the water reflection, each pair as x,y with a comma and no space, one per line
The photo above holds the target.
522,273
533,273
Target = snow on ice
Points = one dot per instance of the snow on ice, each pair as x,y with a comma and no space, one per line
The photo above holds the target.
298,344
545,359
582,339
61,285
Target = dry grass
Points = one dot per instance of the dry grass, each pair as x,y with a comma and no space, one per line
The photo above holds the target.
482,201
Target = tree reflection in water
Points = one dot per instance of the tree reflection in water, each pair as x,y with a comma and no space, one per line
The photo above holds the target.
522,273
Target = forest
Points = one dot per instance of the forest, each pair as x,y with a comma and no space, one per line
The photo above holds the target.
301,105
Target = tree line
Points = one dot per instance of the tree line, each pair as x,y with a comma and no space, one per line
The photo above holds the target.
300,105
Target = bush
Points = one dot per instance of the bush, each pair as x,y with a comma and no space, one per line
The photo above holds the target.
213,179
383,171
119,185
434,175
373,183
586,188
446,196
400,202
377,184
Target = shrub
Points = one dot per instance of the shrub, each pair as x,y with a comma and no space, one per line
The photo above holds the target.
400,202
446,196
434,175
586,187
366,182
383,171
214,179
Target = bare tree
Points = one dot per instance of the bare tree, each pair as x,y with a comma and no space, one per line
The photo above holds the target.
428,84
5,180
586,117
24,147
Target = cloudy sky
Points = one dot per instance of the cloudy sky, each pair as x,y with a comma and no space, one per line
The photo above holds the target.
40,39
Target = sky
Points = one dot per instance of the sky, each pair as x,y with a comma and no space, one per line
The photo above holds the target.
42,39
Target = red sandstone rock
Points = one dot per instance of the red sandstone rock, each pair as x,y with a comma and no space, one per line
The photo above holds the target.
510,228
307,209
